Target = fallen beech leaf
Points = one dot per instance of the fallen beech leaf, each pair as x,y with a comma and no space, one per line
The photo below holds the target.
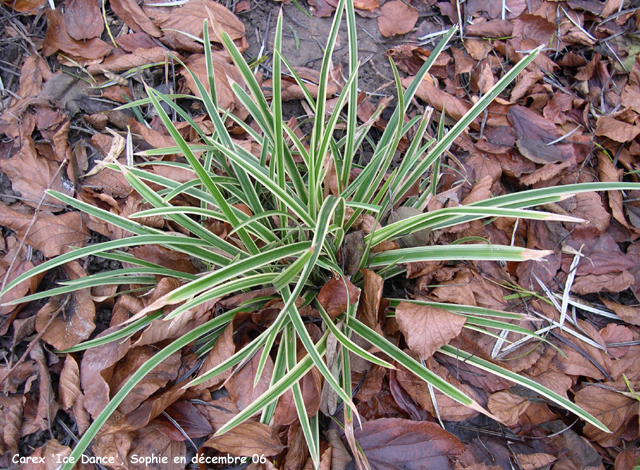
222,350
507,406
430,94
95,362
589,206
333,296
69,385
137,58
189,18
225,74
613,409
11,413
604,254
402,444
448,408
457,291
247,439
627,313
130,12
31,175
535,460
20,266
241,385
340,457
426,328
25,6
187,417
57,39
371,296
68,319
612,282
397,18
616,130
132,41
627,459
40,418
150,409
489,29
162,374
51,234
149,442
83,19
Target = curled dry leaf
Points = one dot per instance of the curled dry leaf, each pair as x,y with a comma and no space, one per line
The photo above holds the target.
612,282
69,386
402,444
371,297
397,18
334,296
426,328
248,439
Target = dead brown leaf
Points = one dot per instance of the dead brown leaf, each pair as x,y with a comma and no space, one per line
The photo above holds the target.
68,319
448,408
397,18
31,175
613,282
130,12
149,442
69,386
25,6
58,39
426,328
83,19
187,417
403,444
225,74
96,369
507,406
222,350
535,460
613,409
11,413
369,305
117,63
189,18
162,374
53,235
247,439
334,296
241,385
616,130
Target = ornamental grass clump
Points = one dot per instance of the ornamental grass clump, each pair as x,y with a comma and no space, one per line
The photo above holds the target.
292,233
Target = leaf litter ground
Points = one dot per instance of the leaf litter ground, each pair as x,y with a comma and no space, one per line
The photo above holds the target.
571,117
